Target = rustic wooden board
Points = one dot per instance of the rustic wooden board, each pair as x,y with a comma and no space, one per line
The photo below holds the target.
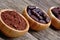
27,36
19,5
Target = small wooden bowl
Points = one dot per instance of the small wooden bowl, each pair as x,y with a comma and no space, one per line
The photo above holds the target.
34,24
11,32
55,21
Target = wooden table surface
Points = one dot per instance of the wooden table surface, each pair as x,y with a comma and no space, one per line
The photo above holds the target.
19,5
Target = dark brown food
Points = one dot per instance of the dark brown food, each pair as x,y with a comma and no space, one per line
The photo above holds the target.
56,12
37,14
14,20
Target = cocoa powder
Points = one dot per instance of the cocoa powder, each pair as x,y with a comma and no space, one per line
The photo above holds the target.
14,20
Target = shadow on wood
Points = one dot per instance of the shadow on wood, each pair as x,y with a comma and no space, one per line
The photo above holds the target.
52,27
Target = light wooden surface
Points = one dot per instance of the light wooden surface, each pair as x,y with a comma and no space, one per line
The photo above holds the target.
19,5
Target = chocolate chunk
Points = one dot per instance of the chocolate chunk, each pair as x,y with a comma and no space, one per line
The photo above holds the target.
37,10
42,21
31,7
37,14
58,7
45,15
47,19
29,11
34,17
40,17
41,13
56,12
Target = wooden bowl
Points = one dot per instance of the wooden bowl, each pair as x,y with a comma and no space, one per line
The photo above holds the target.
34,24
55,20
9,31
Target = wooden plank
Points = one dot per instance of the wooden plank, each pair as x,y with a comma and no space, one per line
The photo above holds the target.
47,34
19,5
27,36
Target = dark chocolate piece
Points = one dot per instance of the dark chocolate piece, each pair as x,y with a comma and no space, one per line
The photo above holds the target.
37,14
56,12
42,21
31,7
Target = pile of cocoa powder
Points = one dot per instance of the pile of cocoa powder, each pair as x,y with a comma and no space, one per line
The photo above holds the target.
14,20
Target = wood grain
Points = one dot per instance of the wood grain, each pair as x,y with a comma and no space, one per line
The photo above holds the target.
19,5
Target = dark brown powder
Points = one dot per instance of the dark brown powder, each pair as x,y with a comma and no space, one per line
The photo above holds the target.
14,20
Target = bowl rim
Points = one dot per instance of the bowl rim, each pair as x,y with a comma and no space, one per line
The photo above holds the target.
52,13
36,21
27,26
